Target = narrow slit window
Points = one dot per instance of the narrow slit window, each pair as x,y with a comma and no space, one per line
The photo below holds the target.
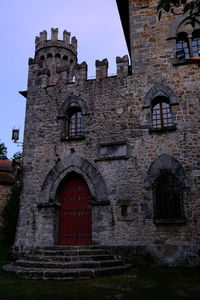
124,210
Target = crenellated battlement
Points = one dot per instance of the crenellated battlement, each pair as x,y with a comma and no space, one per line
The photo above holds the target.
122,69
42,41
80,72
122,65
101,69
56,61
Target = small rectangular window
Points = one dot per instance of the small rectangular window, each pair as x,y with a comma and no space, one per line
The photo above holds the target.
124,210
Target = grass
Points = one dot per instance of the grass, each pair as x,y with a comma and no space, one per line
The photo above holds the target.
139,283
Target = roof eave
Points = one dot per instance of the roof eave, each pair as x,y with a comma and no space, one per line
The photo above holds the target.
123,8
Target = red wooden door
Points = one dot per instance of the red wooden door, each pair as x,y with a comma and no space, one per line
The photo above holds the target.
75,214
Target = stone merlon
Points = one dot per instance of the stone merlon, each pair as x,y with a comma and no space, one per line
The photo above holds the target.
101,69
42,41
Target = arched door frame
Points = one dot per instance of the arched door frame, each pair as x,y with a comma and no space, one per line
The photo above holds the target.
47,205
73,163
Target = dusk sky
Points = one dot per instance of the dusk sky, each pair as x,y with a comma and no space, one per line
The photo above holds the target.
95,23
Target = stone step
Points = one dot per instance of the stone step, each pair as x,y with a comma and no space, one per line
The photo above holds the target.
68,265
66,274
66,262
69,252
65,258
59,247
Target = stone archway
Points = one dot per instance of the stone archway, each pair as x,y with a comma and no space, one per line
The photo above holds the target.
74,163
167,162
49,205
160,90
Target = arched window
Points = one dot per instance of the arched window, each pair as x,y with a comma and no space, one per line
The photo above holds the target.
168,197
182,46
74,124
161,113
196,43
73,118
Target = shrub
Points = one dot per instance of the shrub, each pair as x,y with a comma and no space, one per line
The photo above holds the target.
9,216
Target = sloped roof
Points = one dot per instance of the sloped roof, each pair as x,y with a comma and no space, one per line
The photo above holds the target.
6,174
123,8
5,165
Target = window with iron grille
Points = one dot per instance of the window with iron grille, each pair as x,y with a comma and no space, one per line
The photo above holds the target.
168,197
196,43
74,123
161,113
182,46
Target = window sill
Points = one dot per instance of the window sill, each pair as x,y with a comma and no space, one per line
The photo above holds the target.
125,218
169,221
74,138
163,129
112,158
99,202
189,61
48,205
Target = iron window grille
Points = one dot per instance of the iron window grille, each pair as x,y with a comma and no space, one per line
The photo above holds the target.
168,198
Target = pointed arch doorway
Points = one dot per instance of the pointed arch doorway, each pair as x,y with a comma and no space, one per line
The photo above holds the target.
74,224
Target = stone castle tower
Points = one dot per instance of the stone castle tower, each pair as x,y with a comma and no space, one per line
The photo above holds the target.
114,161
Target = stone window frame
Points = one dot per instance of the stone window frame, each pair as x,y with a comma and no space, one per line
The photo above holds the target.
72,103
162,92
182,24
166,162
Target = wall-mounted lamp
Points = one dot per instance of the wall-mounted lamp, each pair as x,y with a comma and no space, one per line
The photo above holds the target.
15,136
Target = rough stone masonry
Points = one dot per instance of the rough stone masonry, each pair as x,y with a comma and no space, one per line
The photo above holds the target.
137,143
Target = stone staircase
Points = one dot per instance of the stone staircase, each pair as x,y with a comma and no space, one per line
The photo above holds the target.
66,262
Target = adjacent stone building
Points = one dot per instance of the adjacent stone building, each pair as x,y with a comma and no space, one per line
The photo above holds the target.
114,161
7,180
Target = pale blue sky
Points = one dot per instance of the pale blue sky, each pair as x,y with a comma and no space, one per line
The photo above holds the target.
95,23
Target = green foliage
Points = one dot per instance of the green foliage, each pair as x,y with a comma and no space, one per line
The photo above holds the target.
17,155
9,216
191,6
3,151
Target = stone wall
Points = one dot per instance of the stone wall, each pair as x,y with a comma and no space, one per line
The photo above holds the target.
118,146
120,100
